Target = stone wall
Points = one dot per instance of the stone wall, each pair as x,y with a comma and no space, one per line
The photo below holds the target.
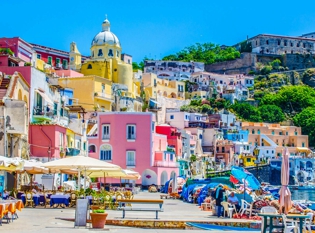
240,65
275,177
298,61
263,173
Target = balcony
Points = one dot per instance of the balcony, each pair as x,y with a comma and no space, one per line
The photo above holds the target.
104,96
106,137
165,164
72,152
41,114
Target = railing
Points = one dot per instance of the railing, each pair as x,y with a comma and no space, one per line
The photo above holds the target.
106,136
131,163
43,113
72,152
165,164
103,95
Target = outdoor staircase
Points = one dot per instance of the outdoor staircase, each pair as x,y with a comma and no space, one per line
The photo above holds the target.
267,139
4,87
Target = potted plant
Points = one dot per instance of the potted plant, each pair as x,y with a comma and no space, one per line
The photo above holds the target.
98,218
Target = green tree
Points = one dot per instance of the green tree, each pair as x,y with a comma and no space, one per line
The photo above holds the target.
306,121
271,114
247,112
275,64
291,99
135,66
246,47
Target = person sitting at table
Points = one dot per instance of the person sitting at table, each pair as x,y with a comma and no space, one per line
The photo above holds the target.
232,199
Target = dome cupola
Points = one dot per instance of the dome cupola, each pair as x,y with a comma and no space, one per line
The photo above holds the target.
106,36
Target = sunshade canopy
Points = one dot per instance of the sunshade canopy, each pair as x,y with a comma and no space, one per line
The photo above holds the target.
33,167
80,163
10,164
244,176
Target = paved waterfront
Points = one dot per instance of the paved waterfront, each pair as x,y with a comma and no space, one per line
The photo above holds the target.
46,220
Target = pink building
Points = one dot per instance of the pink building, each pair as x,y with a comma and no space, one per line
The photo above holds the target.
128,139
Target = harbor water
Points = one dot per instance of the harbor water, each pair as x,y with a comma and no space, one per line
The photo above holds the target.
303,194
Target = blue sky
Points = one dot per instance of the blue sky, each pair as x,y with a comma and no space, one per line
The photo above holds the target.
153,28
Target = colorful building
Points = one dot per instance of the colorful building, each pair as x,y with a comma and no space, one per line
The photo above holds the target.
154,86
106,62
129,140
271,139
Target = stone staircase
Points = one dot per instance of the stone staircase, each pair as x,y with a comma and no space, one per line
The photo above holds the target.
4,87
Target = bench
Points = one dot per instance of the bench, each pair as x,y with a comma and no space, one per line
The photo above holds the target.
122,206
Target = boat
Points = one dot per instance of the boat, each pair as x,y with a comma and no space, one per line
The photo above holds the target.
212,227
306,187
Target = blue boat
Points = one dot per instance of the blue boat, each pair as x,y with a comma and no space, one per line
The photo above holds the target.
306,187
212,227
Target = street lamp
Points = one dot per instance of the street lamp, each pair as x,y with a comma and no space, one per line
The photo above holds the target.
256,153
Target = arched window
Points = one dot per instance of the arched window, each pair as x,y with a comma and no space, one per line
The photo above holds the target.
258,131
100,53
117,53
110,53
92,148
253,131
93,54
89,66
106,152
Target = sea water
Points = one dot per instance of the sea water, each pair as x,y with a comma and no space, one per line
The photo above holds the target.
303,195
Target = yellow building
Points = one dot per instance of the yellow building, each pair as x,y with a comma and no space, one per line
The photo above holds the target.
273,138
106,63
91,92
154,86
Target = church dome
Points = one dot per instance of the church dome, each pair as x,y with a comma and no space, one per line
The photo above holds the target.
106,36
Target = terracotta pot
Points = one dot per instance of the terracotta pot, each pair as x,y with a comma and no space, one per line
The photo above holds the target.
98,219
95,207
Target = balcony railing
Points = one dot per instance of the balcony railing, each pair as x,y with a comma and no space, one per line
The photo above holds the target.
72,152
103,96
131,163
166,164
106,137
43,114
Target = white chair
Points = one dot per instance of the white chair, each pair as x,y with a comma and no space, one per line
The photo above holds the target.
288,225
268,210
228,208
308,223
246,207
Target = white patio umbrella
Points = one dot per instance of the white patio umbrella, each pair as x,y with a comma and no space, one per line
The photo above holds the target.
10,164
33,167
81,163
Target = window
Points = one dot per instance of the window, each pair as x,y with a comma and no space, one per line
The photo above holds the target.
295,133
291,44
61,135
79,144
272,152
286,133
110,53
280,133
171,157
89,67
131,158
267,151
100,53
253,131
279,42
171,117
65,64
49,61
106,152
57,61
106,132
285,43
39,56
223,149
92,148
273,132
200,136
267,42
303,144
117,54
258,131
152,126
131,132
103,87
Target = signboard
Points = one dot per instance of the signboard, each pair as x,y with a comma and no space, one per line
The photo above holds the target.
81,212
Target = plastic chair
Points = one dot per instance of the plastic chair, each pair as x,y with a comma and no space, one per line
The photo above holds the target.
308,223
246,207
228,208
12,210
288,225
269,210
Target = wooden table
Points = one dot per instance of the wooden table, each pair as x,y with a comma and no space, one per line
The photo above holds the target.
271,216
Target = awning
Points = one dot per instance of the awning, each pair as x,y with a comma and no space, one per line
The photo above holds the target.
303,149
46,98
153,101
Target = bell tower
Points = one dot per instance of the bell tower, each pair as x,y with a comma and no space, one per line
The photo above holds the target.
74,57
